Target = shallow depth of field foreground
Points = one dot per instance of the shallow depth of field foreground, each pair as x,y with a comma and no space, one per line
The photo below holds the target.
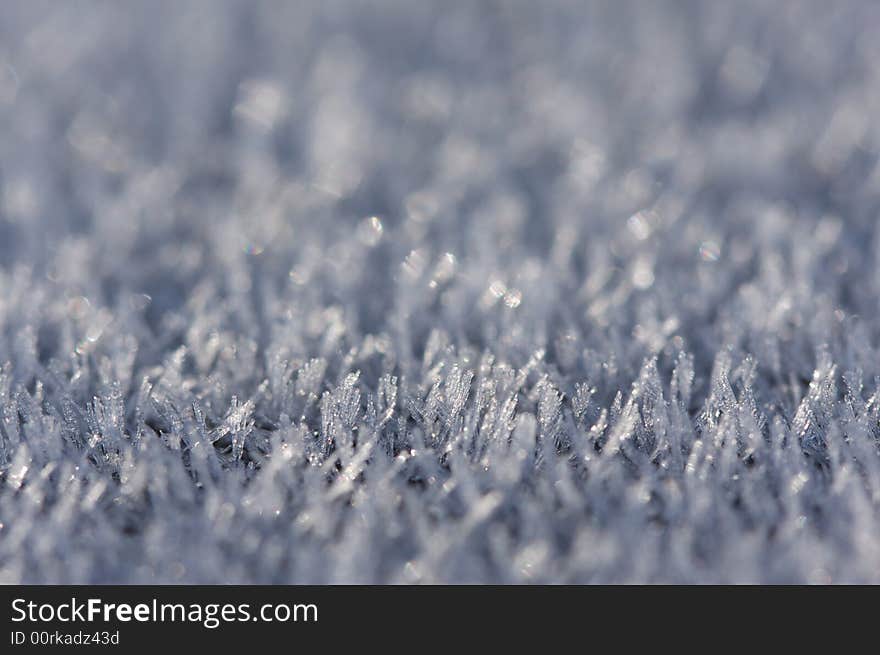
428,292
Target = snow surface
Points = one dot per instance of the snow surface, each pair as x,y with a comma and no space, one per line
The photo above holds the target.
415,291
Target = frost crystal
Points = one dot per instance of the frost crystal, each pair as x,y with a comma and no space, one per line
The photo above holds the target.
439,292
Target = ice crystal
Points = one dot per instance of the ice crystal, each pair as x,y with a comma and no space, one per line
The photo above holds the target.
439,292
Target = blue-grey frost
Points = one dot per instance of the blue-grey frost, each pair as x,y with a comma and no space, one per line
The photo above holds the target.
405,292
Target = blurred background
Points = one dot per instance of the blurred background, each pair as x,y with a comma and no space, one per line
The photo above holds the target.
514,153
512,127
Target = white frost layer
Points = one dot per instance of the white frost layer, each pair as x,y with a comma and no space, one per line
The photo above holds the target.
439,292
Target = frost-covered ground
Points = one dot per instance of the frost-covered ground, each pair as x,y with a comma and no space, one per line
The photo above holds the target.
439,291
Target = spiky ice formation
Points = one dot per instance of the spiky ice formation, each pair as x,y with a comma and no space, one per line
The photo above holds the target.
439,292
